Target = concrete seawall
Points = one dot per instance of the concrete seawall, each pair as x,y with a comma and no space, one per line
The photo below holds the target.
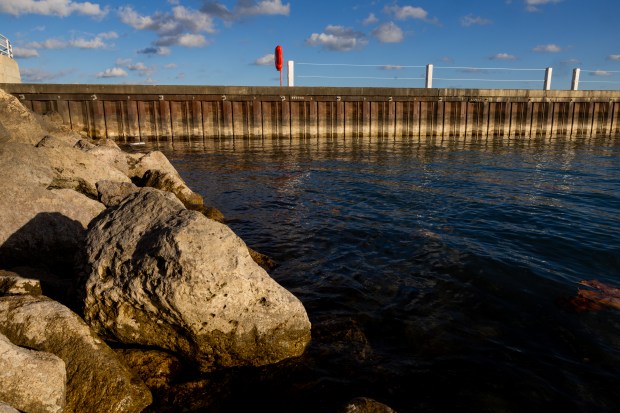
145,113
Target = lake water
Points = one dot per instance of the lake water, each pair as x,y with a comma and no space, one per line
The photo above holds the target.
437,277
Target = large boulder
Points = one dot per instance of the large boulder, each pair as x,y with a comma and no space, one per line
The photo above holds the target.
31,381
107,152
172,182
46,228
182,282
23,164
96,380
111,193
155,160
18,124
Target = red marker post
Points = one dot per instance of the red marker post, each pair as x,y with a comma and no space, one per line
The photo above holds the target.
279,60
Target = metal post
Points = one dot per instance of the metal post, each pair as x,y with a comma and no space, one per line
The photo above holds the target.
429,76
291,73
548,73
575,83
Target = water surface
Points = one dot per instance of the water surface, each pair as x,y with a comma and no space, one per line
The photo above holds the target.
437,276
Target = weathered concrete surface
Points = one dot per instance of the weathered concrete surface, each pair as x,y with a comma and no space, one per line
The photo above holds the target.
181,282
97,380
32,381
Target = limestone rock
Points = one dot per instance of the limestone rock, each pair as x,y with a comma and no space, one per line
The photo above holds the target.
263,260
24,164
155,160
80,171
12,284
156,368
31,381
111,193
5,408
181,282
211,213
18,124
97,381
366,405
55,141
109,153
47,228
172,182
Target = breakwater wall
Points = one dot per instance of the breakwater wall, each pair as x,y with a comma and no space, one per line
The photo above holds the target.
128,113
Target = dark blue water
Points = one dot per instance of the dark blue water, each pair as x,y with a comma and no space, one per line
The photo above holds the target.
437,278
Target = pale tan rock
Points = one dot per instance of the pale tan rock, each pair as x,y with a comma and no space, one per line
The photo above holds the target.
182,282
172,182
23,164
13,284
31,381
111,193
5,408
96,380
17,123
155,160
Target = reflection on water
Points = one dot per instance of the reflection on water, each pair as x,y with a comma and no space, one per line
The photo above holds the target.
436,275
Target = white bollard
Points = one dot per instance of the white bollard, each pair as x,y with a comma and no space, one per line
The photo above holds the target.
575,83
291,73
429,76
548,73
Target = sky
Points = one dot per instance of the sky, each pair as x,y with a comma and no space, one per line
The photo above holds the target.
368,43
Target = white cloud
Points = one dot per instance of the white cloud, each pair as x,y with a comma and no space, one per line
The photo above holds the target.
406,12
614,57
548,48
571,62
391,67
24,53
532,5
137,66
48,44
265,60
471,20
185,40
170,66
371,19
112,72
96,42
388,33
39,75
264,7
160,51
503,56
60,8
123,62
602,73
338,38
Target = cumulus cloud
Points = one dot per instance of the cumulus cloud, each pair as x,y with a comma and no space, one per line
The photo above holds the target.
265,60
532,5
371,19
388,33
548,48
503,56
614,57
60,8
264,7
338,38
112,72
170,66
391,67
159,51
24,53
406,12
185,40
471,20
137,66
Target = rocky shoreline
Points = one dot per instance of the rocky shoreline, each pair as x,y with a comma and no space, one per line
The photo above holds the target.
114,277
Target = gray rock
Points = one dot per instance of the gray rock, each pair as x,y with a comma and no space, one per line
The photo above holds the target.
18,124
366,405
5,408
155,160
47,228
172,182
97,380
182,282
31,381
24,164
78,170
13,284
111,193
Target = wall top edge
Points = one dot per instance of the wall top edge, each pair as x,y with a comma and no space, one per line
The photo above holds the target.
31,88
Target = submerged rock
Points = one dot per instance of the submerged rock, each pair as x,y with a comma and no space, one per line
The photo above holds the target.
96,380
181,282
31,381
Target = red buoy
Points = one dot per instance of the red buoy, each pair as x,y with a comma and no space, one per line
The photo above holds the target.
278,58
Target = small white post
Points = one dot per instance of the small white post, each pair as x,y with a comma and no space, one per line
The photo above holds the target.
575,83
429,76
291,73
548,73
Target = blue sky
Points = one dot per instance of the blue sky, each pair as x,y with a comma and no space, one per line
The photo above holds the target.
370,43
